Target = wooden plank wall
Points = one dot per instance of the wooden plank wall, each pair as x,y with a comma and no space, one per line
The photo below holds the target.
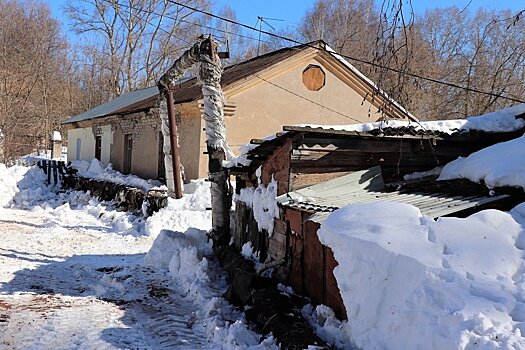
312,263
396,156
245,230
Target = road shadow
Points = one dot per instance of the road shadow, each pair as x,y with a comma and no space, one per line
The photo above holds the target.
155,313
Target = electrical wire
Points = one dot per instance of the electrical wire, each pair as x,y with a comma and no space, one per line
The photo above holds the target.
190,23
417,76
307,99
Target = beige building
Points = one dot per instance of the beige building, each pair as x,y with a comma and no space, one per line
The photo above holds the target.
307,84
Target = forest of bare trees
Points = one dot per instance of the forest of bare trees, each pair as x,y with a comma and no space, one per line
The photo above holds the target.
482,51
442,64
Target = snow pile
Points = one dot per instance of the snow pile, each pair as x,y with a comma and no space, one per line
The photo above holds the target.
24,187
409,282
189,211
96,170
9,178
499,165
263,203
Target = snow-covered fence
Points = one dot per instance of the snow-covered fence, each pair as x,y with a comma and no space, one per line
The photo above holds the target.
52,168
125,197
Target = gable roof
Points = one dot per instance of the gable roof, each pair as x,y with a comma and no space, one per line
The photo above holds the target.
189,90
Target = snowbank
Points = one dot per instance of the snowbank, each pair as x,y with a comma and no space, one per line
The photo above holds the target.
96,170
8,182
189,211
409,282
502,164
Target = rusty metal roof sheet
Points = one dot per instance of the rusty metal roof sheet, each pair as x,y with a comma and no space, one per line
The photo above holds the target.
367,186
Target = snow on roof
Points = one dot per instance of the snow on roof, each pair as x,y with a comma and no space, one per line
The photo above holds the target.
55,136
504,120
500,165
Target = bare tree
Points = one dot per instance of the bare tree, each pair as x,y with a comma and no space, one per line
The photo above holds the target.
471,52
32,75
133,40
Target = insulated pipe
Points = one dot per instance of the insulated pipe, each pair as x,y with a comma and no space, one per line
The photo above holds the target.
174,144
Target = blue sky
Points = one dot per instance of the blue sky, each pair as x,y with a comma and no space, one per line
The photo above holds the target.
291,11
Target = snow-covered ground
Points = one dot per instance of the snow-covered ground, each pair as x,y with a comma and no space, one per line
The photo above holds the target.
77,274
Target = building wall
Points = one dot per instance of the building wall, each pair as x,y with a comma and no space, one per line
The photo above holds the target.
263,109
189,122
117,149
87,144
106,132
144,128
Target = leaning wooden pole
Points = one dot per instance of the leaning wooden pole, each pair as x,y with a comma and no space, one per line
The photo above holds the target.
218,150
168,121
174,144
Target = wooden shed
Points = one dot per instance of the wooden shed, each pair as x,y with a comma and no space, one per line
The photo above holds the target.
320,169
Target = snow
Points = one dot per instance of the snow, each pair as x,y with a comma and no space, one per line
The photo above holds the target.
503,120
262,200
242,158
422,174
77,274
96,170
409,282
499,165
55,136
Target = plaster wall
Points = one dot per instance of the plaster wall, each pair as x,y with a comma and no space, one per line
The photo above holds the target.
264,109
87,144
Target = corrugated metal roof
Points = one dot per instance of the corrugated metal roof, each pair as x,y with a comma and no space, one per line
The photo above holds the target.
116,104
367,186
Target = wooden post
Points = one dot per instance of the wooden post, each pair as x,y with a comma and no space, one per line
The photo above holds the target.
174,144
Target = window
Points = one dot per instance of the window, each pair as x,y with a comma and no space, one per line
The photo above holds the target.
98,147
313,77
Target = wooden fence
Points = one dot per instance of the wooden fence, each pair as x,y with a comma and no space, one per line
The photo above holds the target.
54,170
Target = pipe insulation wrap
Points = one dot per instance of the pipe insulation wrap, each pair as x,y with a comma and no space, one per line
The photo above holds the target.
210,78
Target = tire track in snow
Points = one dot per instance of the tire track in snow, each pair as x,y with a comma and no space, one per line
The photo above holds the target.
85,298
